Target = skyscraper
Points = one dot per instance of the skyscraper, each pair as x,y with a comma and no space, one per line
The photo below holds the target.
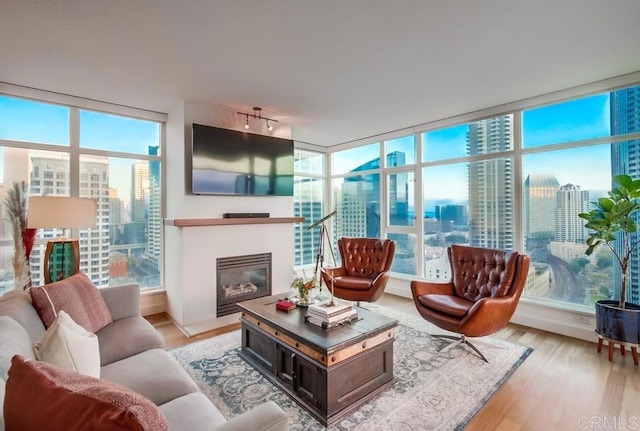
540,205
491,184
455,214
625,159
154,214
571,201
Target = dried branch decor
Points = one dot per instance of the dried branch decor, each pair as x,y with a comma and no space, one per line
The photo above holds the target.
23,238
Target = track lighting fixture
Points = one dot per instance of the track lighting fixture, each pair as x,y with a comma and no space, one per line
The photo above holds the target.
257,114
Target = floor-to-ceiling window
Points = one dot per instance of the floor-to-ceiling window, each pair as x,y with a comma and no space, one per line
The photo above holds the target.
361,184
64,150
512,181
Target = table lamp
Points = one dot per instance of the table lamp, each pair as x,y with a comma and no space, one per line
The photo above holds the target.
62,256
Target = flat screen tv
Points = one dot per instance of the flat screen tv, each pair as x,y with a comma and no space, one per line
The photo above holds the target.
228,162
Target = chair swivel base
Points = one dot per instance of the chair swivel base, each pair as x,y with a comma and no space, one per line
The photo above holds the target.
460,341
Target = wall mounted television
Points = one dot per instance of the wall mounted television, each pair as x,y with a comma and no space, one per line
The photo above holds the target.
228,162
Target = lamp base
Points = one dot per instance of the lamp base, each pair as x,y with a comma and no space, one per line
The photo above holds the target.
61,259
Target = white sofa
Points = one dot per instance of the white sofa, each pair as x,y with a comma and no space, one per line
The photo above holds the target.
132,356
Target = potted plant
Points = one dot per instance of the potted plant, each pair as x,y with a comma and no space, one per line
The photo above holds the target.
611,224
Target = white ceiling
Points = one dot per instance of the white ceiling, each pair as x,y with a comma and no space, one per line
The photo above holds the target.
335,70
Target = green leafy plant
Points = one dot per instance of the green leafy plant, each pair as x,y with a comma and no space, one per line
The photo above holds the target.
610,220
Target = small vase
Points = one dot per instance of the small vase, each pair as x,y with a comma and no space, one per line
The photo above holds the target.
303,296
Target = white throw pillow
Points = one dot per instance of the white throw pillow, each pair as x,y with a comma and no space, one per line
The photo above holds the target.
69,346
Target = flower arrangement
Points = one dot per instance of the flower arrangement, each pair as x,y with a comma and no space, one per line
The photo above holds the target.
303,287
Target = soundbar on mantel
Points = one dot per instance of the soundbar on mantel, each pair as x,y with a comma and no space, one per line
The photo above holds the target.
245,215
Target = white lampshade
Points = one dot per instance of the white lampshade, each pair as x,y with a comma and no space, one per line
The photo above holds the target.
61,212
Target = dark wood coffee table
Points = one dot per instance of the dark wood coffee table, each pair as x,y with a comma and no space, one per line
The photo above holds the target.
328,372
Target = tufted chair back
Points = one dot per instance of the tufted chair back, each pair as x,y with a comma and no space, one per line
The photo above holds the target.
365,269
482,272
366,257
482,295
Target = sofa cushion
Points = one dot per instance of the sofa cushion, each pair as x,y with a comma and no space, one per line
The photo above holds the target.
191,412
78,296
152,373
69,346
14,339
113,346
17,305
42,396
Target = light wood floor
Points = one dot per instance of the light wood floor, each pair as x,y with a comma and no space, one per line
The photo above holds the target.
563,385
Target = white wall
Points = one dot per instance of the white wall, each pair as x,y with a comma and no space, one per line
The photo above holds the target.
190,252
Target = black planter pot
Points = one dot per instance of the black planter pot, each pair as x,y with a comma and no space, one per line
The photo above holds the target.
618,324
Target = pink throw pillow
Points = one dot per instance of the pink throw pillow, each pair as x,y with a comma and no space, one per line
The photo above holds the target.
41,396
78,296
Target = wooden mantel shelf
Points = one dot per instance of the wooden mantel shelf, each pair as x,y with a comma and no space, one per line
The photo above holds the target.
187,222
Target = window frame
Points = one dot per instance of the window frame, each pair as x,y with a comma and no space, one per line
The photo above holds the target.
76,152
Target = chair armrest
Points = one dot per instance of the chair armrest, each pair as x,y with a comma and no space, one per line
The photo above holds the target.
265,417
333,272
122,301
419,288
488,315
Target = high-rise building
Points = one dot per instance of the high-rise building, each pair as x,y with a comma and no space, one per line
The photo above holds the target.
491,184
452,214
139,191
358,200
307,204
398,188
625,159
154,214
540,206
571,200
94,253
115,216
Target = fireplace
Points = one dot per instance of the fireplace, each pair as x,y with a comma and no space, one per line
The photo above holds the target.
240,278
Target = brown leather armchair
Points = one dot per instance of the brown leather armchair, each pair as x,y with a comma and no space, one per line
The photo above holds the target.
481,297
366,263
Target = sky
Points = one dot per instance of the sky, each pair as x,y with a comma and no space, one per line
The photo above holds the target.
560,123
563,122
25,120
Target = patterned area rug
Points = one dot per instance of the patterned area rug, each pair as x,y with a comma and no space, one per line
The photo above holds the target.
434,390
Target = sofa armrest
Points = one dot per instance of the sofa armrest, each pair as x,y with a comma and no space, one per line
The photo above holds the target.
265,417
122,301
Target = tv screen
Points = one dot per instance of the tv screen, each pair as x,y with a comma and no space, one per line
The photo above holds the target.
229,162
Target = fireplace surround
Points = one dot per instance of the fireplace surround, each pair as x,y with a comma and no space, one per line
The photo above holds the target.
196,244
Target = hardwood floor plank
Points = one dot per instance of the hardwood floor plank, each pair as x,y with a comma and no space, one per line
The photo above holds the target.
563,385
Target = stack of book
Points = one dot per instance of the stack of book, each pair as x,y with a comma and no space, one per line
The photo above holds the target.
330,316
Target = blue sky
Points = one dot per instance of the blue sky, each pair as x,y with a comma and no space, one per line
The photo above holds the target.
30,121
563,122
